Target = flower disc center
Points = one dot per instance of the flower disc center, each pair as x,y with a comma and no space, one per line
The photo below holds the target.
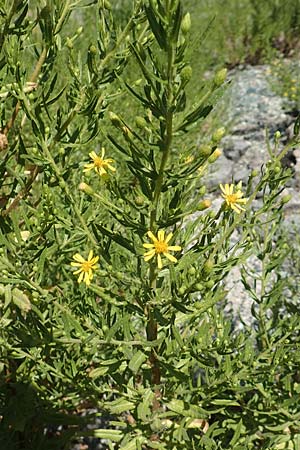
99,162
86,266
232,198
161,247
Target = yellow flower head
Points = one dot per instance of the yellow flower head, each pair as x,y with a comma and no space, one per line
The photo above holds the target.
233,199
85,267
160,246
99,163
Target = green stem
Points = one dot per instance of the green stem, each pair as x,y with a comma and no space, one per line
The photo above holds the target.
167,139
152,328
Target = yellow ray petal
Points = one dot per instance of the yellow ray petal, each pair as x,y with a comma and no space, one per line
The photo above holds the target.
78,258
161,235
148,245
169,237
175,248
170,257
151,236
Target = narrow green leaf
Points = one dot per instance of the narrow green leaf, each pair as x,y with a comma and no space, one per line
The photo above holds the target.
237,434
98,372
156,27
21,300
136,361
120,405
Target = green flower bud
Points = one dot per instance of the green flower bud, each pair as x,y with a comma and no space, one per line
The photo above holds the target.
254,173
69,43
218,134
204,205
202,190
93,50
277,135
205,150
219,78
199,287
115,120
186,74
127,133
192,270
107,4
186,23
140,122
286,198
181,290
214,156
208,266
209,284
79,30
139,200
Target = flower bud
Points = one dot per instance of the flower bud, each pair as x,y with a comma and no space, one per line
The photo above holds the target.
115,120
215,155
208,266
205,150
140,122
199,287
209,284
219,78
254,173
202,190
204,205
181,290
277,135
218,134
192,270
139,200
127,133
107,4
186,23
286,198
93,49
186,74
86,188
79,30
69,43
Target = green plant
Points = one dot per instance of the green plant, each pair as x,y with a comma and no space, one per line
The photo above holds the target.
284,79
138,330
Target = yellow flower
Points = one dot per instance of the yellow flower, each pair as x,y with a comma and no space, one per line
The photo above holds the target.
99,164
233,199
85,267
160,246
